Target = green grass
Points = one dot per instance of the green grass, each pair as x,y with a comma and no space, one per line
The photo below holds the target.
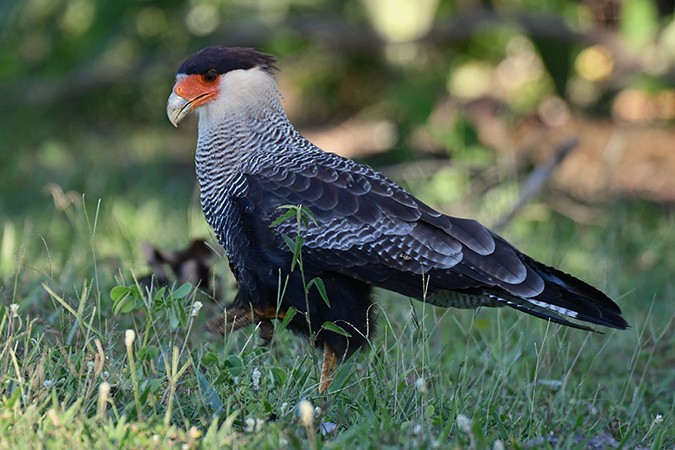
515,378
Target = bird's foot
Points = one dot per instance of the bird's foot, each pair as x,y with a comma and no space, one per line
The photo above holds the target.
264,318
232,320
236,318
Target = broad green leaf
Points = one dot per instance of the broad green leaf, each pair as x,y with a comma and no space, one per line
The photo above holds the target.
234,364
159,296
147,353
290,243
124,300
119,304
318,282
173,318
183,291
330,326
294,245
278,376
210,359
305,216
284,217
290,313
118,292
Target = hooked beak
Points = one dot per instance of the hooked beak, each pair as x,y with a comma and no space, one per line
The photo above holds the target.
177,108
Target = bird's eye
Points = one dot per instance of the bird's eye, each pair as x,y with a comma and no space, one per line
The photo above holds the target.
210,75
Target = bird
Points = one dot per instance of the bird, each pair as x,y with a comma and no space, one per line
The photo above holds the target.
355,229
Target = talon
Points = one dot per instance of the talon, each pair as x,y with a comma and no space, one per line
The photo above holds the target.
236,318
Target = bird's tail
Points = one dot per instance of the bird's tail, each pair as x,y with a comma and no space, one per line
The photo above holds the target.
565,300
568,301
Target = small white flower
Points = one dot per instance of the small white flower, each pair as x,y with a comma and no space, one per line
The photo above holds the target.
129,337
13,310
90,366
253,424
417,429
105,375
421,385
196,307
464,423
658,419
255,378
498,445
48,383
283,408
250,424
317,411
306,411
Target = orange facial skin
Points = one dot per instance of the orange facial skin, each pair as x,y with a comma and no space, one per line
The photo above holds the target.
197,89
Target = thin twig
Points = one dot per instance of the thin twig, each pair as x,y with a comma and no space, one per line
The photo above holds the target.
538,179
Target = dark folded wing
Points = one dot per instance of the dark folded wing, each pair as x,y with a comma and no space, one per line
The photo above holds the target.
369,228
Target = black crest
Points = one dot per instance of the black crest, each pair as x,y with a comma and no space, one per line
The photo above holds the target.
225,59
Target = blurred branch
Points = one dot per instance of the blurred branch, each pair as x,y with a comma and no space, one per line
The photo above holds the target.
578,212
332,30
80,82
537,180
342,35
336,32
534,24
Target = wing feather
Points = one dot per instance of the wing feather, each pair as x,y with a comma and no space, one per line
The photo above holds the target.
369,228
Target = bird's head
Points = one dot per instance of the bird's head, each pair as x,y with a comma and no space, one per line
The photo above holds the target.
217,81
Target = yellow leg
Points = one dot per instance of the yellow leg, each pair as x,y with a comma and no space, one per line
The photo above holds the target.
327,368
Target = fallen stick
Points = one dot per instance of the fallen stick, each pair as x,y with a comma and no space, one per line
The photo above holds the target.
537,180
